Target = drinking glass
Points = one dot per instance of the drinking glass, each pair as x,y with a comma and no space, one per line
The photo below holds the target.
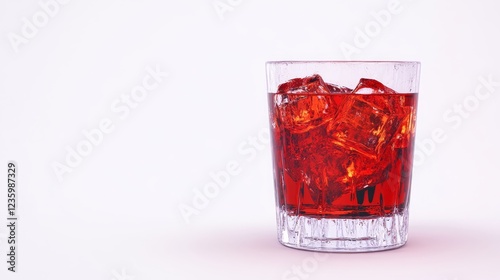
343,135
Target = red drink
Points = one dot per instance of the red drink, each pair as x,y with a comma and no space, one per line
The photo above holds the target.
340,154
342,157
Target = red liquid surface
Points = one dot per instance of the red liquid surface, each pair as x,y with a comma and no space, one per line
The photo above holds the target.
342,155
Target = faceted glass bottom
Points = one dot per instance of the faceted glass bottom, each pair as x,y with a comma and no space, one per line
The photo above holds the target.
343,234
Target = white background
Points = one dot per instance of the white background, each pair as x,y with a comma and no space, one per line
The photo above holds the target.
116,215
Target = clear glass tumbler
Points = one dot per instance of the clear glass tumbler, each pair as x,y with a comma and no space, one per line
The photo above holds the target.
342,142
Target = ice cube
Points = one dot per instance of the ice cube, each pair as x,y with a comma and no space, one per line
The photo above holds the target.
396,106
363,126
406,128
364,129
302,105
370,86
324,172
312,84
338,89
390,105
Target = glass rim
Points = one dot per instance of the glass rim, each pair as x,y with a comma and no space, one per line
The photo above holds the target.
401,76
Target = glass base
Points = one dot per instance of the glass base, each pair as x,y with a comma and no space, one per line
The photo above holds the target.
343,235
